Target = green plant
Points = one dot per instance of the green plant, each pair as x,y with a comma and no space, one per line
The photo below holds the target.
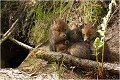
99,42
43,14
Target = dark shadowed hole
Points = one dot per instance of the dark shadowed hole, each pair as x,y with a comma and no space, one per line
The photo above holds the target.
12,55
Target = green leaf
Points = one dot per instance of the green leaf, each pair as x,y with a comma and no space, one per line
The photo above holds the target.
98,43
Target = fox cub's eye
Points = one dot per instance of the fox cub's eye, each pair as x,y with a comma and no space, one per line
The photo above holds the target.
83,34
65,29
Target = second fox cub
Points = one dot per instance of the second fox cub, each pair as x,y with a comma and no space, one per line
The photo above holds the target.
89,35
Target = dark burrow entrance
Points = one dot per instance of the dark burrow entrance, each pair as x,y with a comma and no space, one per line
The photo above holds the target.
12,55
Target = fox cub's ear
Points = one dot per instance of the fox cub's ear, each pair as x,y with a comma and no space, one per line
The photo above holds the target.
54,22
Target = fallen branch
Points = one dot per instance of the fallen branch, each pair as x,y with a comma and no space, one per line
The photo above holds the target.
20,43
80,63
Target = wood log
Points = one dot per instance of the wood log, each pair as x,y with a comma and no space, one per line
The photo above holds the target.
78,62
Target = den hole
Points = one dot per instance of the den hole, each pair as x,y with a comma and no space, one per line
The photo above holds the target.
12,55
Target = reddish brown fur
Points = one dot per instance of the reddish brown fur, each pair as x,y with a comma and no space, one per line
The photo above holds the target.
58,32
62,46
89,33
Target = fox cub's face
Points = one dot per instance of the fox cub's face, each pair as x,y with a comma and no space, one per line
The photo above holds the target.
59,30
89,33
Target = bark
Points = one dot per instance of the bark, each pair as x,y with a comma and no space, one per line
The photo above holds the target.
78,62
21,44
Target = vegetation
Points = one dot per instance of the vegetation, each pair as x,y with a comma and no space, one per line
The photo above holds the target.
92,12
37,20
99,42
46,11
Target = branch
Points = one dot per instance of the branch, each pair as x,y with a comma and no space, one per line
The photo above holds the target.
39,45
12,28
20,43
7,34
